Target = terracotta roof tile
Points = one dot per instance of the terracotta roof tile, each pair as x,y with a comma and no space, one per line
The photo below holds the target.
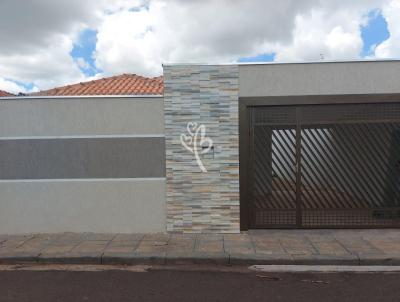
125,84
5,93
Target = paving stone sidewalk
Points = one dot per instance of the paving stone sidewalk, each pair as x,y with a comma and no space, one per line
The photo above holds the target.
314,247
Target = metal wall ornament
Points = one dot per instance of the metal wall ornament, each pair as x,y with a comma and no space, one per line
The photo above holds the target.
196,142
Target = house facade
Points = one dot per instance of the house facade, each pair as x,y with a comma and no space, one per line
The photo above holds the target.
224,148
5,93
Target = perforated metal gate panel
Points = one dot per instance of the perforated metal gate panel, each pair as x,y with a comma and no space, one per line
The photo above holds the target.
325,166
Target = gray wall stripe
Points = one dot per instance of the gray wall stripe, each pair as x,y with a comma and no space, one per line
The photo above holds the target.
46,180
82,158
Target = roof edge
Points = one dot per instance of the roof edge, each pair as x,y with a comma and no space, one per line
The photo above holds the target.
284,63
28,97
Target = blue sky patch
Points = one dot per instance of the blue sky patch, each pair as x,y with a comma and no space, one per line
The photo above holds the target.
374,33
27,86
266,57
83,52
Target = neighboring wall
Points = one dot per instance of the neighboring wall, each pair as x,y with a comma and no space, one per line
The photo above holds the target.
319,78
202,201
82,164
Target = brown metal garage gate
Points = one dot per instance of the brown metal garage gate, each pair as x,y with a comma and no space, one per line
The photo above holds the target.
316,166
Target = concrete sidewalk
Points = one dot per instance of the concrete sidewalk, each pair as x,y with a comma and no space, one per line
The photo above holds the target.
312,247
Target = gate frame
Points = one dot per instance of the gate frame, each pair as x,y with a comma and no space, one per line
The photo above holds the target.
244,131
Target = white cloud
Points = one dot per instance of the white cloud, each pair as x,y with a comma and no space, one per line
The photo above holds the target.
223,31
45,67
36,39
192,31
82,63
329,31
138,35
125,43
391,47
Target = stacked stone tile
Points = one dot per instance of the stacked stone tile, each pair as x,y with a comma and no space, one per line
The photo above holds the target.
200,202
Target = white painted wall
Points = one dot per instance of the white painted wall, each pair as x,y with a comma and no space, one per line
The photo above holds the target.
81,205
81,116
107,206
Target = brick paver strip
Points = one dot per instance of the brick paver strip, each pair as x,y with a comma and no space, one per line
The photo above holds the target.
313,247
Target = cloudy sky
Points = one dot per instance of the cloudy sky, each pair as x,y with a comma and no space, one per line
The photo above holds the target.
47,43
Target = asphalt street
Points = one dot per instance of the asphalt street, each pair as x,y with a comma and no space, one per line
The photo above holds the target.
195,285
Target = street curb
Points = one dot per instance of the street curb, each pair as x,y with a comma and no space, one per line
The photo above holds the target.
379,259
202,258
132,259
18,259
252,259
86,259
326,259
198,258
